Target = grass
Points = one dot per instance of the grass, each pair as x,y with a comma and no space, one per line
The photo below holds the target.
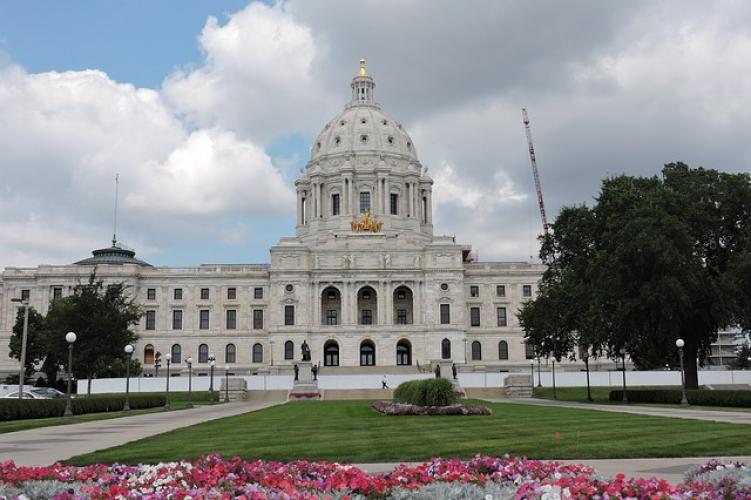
178,401
351,431
600,395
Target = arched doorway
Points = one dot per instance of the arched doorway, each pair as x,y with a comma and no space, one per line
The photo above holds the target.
367,353
148,354
331,353
403,352
403,306
331,306
367,306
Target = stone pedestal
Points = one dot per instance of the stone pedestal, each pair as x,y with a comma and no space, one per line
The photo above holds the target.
305,387
446,366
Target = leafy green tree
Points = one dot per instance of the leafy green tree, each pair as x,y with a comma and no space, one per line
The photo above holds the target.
101,317
36,349
742,359
654,260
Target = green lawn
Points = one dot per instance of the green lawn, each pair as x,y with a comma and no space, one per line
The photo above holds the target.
351,431
178,401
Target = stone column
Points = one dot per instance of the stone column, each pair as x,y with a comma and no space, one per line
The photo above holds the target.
320,205
387,196
343,197
429,206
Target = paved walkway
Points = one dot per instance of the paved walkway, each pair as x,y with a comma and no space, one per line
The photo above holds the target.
731,417
47,445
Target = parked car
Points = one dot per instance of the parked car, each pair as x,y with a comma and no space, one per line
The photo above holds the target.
26,395
47,392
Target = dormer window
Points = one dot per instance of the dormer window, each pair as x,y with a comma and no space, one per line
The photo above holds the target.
390,140
363,121
337,140
363,138
341,123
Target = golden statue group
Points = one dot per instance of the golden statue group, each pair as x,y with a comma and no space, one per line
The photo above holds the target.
367,224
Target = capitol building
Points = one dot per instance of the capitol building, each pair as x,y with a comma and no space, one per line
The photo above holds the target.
364,280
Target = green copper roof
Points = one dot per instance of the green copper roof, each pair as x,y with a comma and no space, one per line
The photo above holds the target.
113,255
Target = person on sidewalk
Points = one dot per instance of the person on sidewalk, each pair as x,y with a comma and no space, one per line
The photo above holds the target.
384,383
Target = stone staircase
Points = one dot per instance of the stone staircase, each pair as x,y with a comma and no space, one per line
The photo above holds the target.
237,389
518,386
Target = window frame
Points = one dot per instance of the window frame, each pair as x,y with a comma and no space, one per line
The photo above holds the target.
203,354
151,294
177,294
205,294
231,319
150,320
394,203
289,315
257,319
335,204
289,350
526,291
201,313
500,290
257,353
230,353
365,200
444,313
258,292
177,319
232,293
503,350
474,316
501,319
476,350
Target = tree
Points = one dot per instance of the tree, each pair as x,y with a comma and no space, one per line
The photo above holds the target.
742,359
101,317
36,349
654,260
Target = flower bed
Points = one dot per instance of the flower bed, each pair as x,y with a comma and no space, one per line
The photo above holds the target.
212,477
389,408
304,395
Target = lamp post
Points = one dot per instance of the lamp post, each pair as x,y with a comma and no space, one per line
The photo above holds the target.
623,356
679,344
532,373
226,383
586,367
190,381
539,372
70,338
25,335
211,384
555,395
168,358
129,353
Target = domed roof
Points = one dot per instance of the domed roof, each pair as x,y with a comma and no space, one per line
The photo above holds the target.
113,255
363,127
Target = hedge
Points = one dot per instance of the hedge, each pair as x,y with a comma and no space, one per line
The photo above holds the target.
14,409
700,397
429,392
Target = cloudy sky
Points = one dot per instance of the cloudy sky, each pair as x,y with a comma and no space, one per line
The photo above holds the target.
207,110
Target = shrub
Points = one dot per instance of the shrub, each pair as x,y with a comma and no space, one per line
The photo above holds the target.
702,397
14,409
429,392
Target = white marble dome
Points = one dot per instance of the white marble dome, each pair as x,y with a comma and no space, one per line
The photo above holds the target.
363,128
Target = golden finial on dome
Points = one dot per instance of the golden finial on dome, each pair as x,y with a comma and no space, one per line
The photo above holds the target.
363,71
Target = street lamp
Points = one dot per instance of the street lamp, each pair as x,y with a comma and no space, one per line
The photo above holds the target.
129,352
555,395
190,381
679,344
226,383
24,337
585,357
623,356
539,372
70,338
166,401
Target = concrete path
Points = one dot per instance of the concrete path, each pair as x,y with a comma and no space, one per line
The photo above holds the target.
670,469
731,417
47,445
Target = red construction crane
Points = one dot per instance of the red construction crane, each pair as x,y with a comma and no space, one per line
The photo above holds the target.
535,174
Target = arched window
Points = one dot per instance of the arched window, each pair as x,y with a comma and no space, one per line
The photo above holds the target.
445,349
177,354
403,306
148,354
289,350
367,306
529,351
331,306
367,353
503,350
230,353
257,353
476,351
203,353
403,353
331,353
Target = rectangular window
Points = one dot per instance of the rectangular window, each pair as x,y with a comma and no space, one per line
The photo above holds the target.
57,293
231,293
500,290
177,319
364,202
526,290
151,294
445,314
331,316
231,319
204,294
178,294
257,319
474,316
335,204
501,314
203,323
289,315
25,294
529,351
394,201
401,316
151,320
367,316
258,293
474,291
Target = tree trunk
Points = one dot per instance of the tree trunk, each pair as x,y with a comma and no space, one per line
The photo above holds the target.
88,386
690,366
